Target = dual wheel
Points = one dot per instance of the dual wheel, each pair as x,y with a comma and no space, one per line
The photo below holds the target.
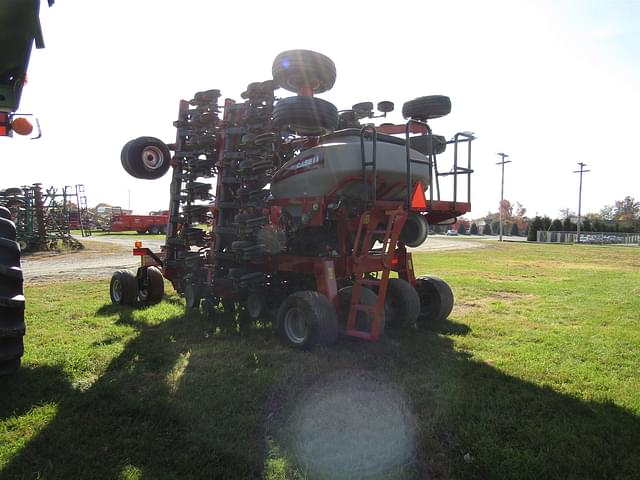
147,287
307,318
305,72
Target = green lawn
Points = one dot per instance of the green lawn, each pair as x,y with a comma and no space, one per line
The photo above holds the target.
534,375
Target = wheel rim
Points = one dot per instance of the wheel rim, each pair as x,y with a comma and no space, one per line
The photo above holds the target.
116,290
295,326
143,294
152,158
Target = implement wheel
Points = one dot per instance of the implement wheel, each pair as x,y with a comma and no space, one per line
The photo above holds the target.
306,115
402,304
124,288
436,298
146,157
426,108
294,70
12,327
364,320
151,289
306,319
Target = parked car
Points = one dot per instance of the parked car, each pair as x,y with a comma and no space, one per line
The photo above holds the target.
452,233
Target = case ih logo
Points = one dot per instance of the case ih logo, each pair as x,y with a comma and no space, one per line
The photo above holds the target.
299,166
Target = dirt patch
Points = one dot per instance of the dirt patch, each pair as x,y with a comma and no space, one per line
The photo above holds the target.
468,306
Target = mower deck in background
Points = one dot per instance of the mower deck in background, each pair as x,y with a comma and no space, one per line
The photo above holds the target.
311,212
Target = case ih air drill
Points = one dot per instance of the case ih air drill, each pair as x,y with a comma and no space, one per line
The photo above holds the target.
310,209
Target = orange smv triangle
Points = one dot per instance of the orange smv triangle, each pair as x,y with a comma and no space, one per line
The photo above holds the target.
418,201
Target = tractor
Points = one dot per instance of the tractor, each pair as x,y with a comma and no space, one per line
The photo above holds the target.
290,211
19,30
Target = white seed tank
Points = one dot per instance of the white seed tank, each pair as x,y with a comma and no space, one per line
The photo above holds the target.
334,167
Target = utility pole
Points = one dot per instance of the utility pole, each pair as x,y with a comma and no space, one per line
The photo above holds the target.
581,171
503,155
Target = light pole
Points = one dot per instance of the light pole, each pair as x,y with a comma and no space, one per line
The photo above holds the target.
581,171
503,155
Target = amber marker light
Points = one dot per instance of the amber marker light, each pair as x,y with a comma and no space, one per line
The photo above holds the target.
21,126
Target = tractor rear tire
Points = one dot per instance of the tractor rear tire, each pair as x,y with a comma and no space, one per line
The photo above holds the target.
153,291
146,157
402,304
364,320
124,288
306,115
296,69
427,108
12,326
436,298
306,319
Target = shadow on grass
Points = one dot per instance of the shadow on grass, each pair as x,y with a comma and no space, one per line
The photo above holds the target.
176,404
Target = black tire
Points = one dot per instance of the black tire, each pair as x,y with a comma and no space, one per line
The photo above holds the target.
306,115
12,326
192,296
401,304
436,298
364,320
306,319
124,158
152,290
426,108
5,213
141,232
124,288
436,146
294,69
415,230
154,230
146,157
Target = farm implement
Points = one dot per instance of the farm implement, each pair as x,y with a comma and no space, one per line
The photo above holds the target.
309,210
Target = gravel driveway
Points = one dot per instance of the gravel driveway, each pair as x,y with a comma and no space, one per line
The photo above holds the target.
103,255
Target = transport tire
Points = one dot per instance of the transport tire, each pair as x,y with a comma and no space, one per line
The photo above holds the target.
294,69
146,157
422,144
436,298
306,319
152,290
364,320
124,288
401,304
415,230
12,326
192,296
306,115
427,108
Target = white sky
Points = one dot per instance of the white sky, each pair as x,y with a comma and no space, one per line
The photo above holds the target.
551,83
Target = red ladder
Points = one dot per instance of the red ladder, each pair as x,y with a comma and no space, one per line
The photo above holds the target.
365,260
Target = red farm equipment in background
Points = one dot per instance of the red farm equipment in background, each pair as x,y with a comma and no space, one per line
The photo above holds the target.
311,211
152,223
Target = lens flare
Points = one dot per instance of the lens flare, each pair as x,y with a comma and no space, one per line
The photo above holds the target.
352,425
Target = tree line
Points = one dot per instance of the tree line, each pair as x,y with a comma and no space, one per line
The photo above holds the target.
622,216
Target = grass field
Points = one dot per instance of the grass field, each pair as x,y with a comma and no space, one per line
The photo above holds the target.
534,375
